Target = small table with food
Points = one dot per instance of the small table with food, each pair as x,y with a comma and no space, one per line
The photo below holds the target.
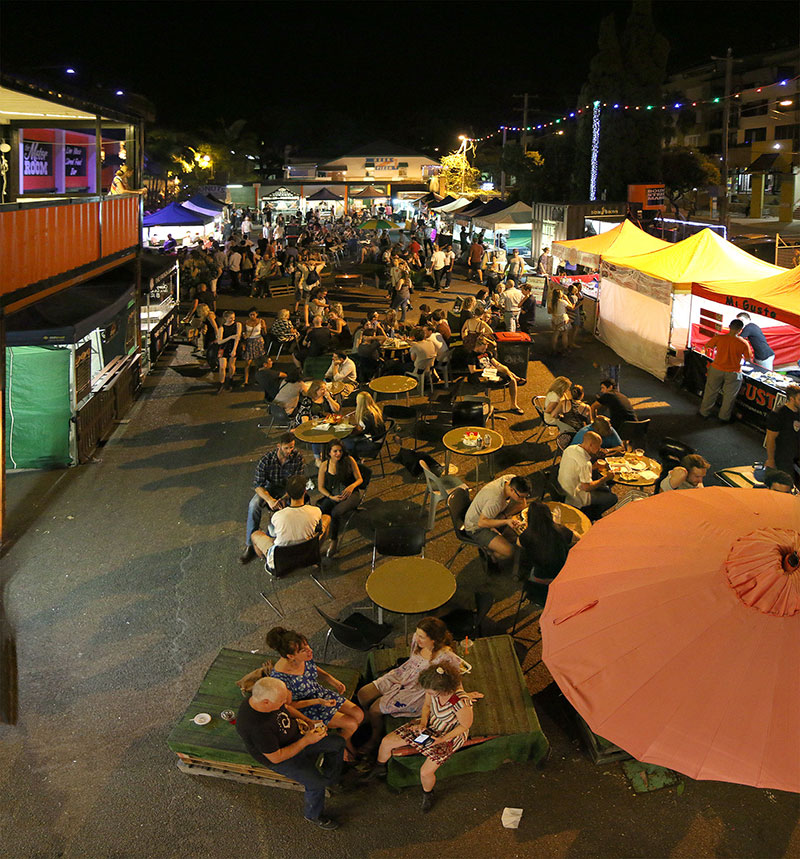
323,430
472,441
395,344
632,469
410,586
394,385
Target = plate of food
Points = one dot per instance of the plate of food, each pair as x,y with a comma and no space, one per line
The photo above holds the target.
471,438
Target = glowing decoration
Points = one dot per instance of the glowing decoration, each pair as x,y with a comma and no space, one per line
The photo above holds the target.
595,151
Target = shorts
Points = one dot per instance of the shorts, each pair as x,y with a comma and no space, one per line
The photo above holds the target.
483,536
559,324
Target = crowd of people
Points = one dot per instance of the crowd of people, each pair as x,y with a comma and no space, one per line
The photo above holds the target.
285,722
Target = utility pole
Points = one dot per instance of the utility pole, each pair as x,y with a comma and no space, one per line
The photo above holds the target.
724,216
524,138
503,172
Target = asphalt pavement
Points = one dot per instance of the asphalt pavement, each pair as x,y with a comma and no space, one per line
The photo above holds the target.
122,584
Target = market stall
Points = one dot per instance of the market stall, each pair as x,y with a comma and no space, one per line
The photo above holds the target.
325,195
175,219
73,369
623,240
508,228
645,300
774,305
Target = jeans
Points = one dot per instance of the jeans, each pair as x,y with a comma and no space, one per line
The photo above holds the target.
338,509
716,381
437,278
602,500
254,510
302,768
511,319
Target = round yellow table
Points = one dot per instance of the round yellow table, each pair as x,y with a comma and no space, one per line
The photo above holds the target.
453,440
572,518
633,477
395,344
410,586
393,385
307,432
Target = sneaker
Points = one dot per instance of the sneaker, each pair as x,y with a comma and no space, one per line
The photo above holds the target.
324,822
248,555
427,801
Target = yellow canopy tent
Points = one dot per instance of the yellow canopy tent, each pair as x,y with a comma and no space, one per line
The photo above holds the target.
626,239
644,303
776,297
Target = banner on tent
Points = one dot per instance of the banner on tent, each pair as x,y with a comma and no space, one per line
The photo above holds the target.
645,284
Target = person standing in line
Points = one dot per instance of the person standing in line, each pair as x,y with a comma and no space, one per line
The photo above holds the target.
725,371
544,265
512,298
763,354
450,261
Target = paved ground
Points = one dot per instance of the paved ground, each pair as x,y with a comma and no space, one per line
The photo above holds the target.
122,585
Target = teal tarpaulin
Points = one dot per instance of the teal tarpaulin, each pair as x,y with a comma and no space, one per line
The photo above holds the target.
37,406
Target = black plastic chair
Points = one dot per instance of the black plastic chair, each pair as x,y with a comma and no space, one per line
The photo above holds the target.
398,541
635,432
671,452
287,559
536,594
400,416
468,414
551,485
463,622
457,505
379,447
357,631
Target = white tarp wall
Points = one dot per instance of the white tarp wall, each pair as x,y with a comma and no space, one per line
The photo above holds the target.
635,317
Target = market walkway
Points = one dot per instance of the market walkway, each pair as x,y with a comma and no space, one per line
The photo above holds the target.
123,585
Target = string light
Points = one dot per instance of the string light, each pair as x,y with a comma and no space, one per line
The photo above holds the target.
595,151
576,114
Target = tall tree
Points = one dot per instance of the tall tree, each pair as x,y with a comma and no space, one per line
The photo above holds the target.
627,69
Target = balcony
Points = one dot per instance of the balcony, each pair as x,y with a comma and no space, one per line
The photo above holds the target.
51,244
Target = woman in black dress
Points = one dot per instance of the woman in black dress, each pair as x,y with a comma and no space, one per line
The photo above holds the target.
339,481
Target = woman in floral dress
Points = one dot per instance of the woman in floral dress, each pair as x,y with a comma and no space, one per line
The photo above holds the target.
297,669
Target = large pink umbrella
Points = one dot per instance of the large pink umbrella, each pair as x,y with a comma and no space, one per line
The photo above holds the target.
674,630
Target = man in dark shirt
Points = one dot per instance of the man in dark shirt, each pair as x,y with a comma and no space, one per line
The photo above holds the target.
783,434
269,482
268,380
280,737
317,341
617,405
763,355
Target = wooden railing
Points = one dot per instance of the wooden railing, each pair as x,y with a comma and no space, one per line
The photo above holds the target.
52,243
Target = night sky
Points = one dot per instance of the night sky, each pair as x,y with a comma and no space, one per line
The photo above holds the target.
332,75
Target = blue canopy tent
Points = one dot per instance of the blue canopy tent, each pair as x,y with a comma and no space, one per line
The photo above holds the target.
176,215
204,205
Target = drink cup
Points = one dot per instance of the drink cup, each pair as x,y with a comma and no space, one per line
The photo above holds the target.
639,452
557,515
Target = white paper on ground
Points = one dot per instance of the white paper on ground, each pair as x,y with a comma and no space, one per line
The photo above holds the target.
511,817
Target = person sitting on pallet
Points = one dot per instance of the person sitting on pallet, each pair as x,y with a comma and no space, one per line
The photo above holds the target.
279,736
442,729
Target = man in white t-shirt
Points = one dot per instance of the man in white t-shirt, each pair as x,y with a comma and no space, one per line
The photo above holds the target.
293,524
234,266
512,299
438,266
450,261
575,478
